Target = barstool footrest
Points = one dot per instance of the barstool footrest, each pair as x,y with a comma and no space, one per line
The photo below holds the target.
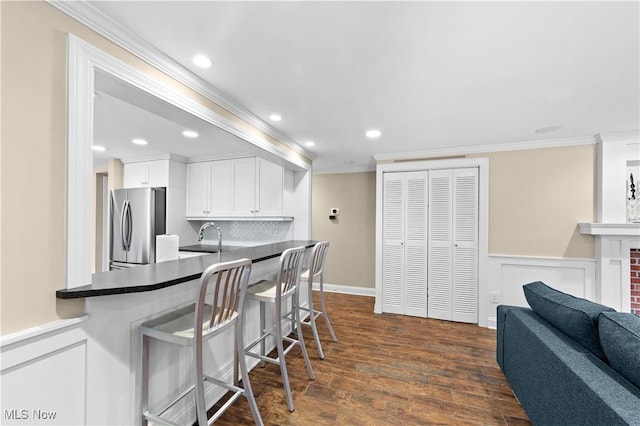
176,399
228,386
158,420
293,342
225,406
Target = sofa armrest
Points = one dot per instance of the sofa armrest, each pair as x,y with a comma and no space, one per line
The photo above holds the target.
501,312
557,380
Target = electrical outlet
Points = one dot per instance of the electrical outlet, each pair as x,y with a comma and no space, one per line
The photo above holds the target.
494,297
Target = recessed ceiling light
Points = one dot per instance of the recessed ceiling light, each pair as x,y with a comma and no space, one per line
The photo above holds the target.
138,141
275,117
190,134
201,61
309,143
98,148
373,133
548,129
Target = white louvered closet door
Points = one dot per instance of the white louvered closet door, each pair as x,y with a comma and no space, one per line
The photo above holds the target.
465,245
453,244
440,244
404,257
416,245
393,243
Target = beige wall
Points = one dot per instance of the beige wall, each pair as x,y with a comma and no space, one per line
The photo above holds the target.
536,199
33,168
351,256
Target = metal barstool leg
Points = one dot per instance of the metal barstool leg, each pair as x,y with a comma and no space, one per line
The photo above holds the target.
303,347
198,376
145,378
244,373
324,310
262,332
281,356
312,321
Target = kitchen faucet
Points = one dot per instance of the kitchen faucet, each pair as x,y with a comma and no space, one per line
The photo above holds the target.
208,225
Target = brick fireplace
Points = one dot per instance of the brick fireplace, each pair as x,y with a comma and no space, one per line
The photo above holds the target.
635,280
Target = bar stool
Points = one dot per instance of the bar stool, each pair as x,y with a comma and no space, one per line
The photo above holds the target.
316,272
277,293
224,285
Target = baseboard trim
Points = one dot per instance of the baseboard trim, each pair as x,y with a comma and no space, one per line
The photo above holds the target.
492,322
346,289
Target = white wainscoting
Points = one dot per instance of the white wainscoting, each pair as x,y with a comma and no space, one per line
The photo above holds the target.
43,376
507,275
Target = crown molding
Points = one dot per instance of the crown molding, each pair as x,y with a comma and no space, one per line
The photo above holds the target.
97,21
346,169
153,157
515,146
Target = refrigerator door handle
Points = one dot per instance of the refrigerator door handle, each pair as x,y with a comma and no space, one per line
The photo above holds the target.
123,224
130,225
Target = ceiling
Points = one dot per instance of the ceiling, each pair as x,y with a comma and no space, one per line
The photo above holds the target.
431,76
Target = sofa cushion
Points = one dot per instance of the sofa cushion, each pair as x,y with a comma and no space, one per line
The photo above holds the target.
576,317
620,340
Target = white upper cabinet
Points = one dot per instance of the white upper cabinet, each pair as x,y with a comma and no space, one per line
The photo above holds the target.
146,174
244,187
208,189
220,188
236,188
198,190
270,183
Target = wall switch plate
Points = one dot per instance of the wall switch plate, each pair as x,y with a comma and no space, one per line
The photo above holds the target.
494,297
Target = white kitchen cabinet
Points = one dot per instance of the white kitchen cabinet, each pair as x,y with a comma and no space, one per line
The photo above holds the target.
198,189
208,189
244,187
146,174
269,189
236,188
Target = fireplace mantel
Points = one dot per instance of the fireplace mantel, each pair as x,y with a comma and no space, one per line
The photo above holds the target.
631,230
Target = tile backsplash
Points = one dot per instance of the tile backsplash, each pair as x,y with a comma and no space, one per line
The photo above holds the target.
244,232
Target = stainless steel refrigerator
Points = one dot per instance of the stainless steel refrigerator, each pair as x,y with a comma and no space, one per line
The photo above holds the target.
137,216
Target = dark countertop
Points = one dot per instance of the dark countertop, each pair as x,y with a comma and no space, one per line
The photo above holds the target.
165,274
208,248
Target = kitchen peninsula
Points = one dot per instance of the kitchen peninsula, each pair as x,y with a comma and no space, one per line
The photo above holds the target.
156,276
119,301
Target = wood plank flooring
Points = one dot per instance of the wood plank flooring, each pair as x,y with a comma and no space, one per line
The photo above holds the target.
387,370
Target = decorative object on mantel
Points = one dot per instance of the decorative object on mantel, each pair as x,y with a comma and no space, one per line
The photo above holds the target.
633,203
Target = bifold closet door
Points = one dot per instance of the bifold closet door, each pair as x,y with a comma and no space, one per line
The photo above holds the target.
404,251
453,245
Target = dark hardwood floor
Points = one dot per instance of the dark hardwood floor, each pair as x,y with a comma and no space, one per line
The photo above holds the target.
387,370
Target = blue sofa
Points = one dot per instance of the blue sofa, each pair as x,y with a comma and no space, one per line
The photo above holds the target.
549,356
